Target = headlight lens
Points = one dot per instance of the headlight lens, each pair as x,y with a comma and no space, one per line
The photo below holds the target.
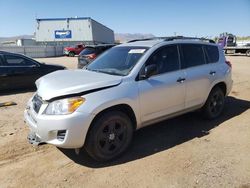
64,106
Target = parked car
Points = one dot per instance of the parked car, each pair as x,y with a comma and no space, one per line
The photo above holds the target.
130,86
91,52
20,72
73,50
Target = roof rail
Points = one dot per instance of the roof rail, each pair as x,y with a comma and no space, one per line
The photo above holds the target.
188,38
173,38
145,39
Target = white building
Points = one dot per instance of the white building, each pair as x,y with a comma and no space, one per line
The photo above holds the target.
67,31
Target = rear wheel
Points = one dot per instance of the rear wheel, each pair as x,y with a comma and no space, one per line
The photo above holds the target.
214,104
71,54
248,53
109,136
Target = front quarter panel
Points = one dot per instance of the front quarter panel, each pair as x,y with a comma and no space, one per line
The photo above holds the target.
125,93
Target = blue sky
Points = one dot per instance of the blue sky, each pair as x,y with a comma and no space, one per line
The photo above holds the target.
159,17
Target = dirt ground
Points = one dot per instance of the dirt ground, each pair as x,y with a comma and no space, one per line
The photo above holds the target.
183,152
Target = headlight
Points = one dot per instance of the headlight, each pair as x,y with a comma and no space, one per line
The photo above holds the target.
64,106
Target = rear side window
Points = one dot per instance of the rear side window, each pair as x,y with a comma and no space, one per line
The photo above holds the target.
1,61
192,55
13,60
212,53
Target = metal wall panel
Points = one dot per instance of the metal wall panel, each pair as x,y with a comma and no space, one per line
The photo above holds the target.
78,29
101,33
35,51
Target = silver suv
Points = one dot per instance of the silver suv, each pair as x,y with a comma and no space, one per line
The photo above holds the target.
128,87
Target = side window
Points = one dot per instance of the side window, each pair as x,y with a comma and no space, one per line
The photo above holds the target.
1,61
17,61
166,59
192,55
212,53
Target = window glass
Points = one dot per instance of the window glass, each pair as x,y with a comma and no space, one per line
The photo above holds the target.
117,61
1,61
166,59
212,53
87,51
17,61
193,55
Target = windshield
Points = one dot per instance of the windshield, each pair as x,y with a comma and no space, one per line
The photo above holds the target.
87,51
118,60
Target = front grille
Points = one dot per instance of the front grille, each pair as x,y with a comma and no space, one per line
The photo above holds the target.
61,135
37,103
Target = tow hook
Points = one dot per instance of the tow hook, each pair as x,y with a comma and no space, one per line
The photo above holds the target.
77,151
33,139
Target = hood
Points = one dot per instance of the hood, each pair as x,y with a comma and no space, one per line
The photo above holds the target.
69,48
69,82
56,66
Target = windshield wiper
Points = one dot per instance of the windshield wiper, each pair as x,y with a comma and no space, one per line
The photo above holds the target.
114,73
106,72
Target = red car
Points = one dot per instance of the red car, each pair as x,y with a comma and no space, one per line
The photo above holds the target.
72,51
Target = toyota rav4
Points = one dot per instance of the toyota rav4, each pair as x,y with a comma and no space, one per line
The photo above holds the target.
128,87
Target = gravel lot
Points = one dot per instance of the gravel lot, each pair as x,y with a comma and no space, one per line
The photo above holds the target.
183,152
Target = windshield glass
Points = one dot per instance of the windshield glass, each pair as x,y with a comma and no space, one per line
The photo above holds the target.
118,60
87,51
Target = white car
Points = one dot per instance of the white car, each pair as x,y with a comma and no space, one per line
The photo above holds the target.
128,87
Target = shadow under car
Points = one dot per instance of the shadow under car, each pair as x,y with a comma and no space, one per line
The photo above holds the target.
164,135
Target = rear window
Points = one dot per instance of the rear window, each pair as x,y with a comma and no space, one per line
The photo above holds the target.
88,51
193,55
212,53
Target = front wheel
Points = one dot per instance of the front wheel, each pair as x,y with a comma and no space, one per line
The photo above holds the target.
71,54
214,104
109,136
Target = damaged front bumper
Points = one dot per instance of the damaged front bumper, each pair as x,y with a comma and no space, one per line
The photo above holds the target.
33,139
65,131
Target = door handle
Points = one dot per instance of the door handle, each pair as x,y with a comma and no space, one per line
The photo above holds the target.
181,80
212,72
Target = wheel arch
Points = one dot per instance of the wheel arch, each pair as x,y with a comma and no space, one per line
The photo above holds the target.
222,86
125,108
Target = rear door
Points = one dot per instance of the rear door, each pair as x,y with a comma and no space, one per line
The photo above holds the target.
199,74
4,79
22,72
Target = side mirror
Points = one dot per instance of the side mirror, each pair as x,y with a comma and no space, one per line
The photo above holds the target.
149,71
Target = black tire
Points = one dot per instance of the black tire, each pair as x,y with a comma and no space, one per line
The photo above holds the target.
214,104
248,53
71,54
109,136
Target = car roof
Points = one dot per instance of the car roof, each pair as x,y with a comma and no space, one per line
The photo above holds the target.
16,54
145,43
12,53
150,42
4,52
99,45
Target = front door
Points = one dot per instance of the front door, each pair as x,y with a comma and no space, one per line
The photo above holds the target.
22,72
164,93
